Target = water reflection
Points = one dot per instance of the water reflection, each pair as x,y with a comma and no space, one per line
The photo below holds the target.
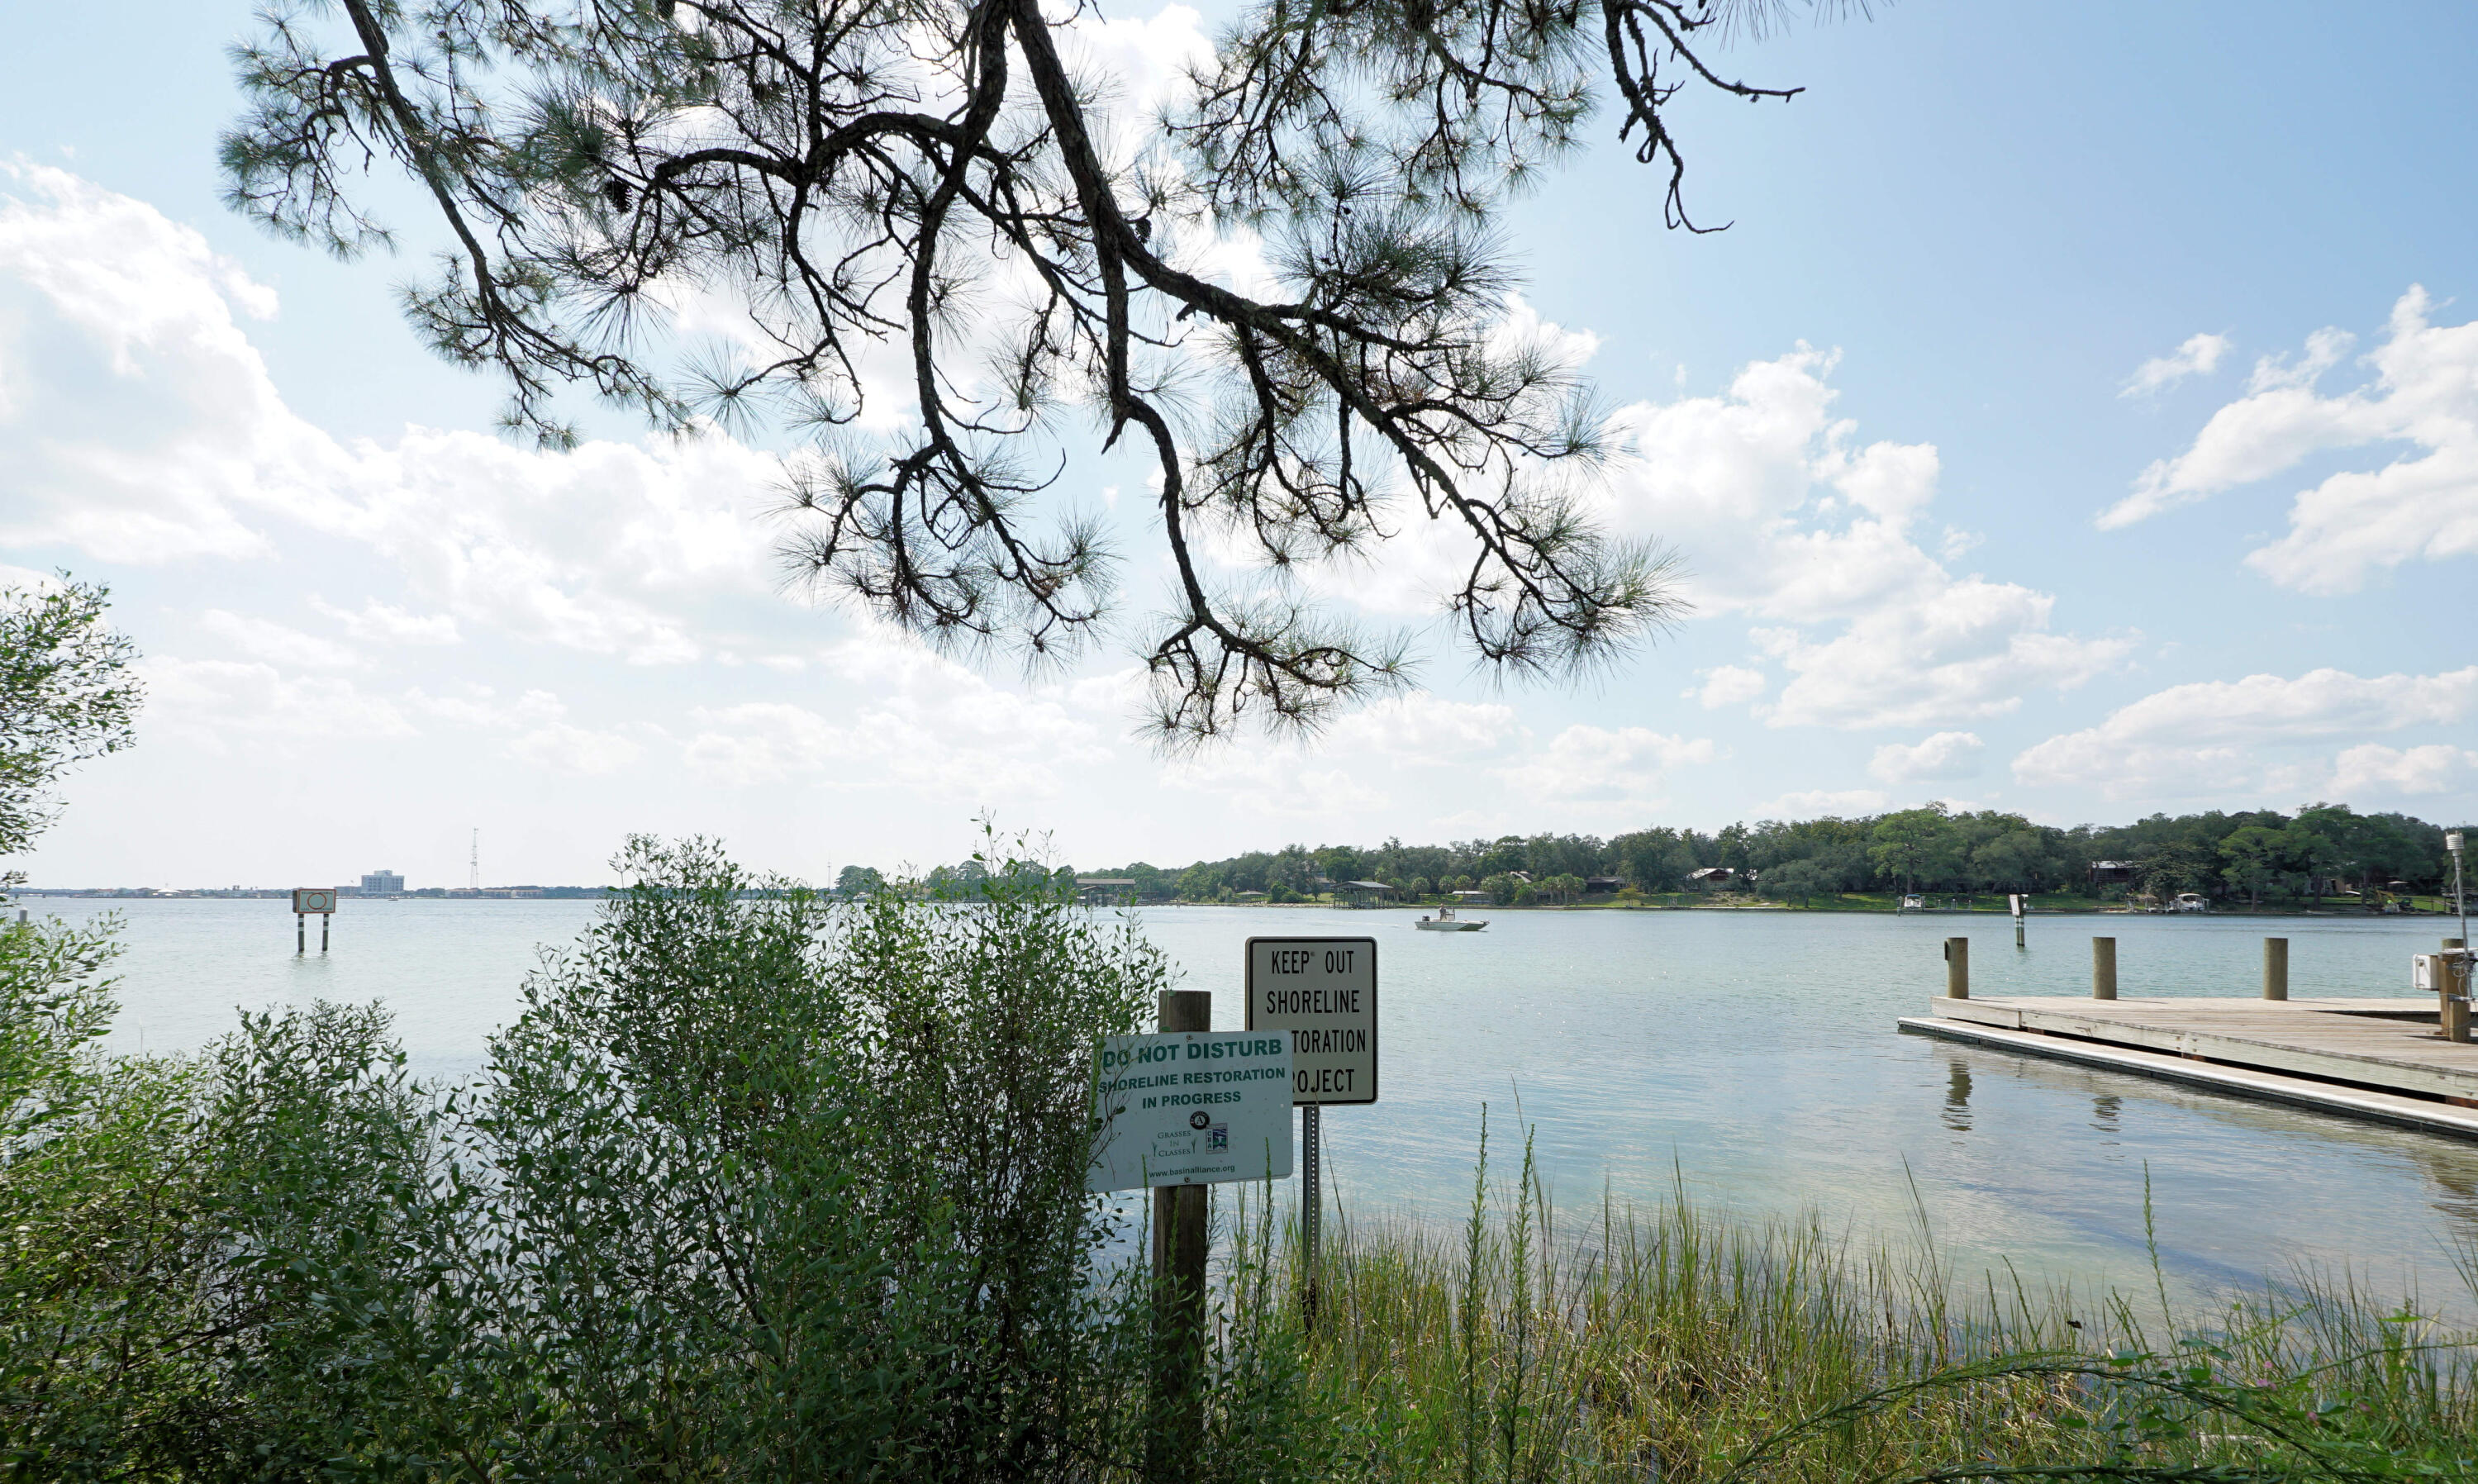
2104,1110
1956,1097
2456,1184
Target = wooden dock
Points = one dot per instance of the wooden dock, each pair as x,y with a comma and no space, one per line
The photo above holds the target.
2379,1058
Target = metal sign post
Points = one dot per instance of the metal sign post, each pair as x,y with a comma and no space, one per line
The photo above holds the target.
1322,991
1311,1205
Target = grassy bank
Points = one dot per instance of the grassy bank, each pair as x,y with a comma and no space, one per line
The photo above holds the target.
1674,1345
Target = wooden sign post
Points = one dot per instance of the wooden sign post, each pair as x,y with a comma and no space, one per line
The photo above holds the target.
1173,1112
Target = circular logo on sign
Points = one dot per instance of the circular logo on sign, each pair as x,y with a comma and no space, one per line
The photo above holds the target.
1198,1119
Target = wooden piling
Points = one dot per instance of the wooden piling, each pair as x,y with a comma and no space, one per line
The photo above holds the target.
1178,1287
2452,994
1957,969
2103,969
2275,969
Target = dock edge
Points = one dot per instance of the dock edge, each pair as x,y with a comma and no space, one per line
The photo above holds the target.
2392,1108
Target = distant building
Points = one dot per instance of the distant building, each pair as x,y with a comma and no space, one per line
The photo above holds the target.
2109,873
1711,876
1106,889
1596,885
382,883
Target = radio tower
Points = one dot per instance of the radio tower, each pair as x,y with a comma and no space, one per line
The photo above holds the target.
473,878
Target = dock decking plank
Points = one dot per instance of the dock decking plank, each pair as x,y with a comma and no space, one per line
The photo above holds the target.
2351,1040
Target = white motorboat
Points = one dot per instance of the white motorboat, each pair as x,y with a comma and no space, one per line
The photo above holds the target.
1445,921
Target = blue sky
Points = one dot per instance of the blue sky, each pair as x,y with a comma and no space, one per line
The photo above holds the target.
1950,538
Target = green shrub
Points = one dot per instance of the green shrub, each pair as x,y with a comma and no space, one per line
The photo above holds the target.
758,1186
180,1231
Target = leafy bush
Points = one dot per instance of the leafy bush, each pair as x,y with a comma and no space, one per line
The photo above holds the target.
763,1188
183,1235
758,1186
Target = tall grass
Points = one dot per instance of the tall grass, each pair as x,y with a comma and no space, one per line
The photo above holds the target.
1670,1342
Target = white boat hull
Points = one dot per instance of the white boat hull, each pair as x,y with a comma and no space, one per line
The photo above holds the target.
1432,925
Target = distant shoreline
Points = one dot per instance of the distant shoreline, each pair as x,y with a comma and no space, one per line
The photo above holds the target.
2095,910
1847,905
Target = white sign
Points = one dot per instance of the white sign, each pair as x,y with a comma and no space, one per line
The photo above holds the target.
314,899
1190,1108
1323,992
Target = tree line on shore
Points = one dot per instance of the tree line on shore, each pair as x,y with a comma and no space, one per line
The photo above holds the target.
2322,849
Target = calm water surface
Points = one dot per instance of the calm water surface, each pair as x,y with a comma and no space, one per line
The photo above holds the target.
1751,1054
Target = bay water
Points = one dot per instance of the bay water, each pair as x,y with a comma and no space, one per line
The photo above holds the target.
1748,1057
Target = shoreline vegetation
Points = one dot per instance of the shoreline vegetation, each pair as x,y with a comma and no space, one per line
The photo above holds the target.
1858,902
1675,1342
2325,857
766,1186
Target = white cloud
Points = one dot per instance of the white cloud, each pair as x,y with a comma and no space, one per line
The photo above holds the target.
920,720
1727,685
1814,803
2423,504
1787,517
215,704
1424,729
1286,784
2199,355
1591,765
168,441
1345,770
572,750
384,623
26,579
264,638
1941,758
1963,652
2325,348
2373,769
479,705
155,304
2320,703
2194,739
1142,60
1441,751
